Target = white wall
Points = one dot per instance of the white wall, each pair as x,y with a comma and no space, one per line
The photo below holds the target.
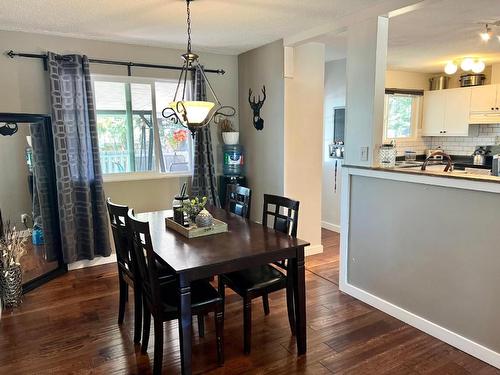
304,95
25,89
264,158
335,96
366,67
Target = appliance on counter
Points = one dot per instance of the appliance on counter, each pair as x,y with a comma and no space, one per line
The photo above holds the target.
488,152
479,156
439,82
336,149
495,166
467,80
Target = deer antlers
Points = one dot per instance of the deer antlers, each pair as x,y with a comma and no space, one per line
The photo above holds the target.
251,99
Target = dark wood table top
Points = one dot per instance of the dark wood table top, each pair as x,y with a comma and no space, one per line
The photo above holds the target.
244,245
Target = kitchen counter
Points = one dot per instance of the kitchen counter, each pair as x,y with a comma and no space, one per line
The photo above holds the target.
423,247
431,171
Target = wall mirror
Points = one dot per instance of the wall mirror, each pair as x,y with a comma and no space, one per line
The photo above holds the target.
28,196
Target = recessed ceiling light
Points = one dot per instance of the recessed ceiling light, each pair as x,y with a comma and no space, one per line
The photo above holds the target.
486,34
467,64
478,66
450,68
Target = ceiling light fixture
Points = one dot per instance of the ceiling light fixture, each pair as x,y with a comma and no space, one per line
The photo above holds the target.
486,34
192,114
450,68
478,66
467,64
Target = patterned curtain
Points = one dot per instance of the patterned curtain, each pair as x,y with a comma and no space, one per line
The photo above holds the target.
82,209
204,180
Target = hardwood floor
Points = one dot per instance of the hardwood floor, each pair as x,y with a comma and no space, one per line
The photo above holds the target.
70,326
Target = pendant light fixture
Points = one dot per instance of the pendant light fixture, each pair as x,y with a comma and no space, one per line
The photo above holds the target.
194,114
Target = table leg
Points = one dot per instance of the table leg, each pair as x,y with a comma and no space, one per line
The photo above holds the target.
300,300
185,325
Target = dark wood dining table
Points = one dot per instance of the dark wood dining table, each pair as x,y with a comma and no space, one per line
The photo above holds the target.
246,244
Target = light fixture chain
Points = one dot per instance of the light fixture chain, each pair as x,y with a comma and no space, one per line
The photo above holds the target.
188,25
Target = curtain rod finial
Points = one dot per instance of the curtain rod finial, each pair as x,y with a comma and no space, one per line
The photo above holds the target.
11,54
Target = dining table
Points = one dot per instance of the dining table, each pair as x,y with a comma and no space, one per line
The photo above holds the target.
246,244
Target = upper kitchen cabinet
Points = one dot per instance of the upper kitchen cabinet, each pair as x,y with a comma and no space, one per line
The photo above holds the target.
446,112
485,105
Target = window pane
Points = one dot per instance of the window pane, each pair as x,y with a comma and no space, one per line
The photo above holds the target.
112,131
175,140
399,116
110,95
142,118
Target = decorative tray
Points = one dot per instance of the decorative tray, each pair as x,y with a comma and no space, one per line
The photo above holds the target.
193,231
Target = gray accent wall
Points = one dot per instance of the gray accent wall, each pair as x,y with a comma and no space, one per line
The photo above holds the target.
264,158
431,250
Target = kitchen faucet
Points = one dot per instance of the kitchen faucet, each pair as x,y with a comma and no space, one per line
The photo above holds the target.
449,164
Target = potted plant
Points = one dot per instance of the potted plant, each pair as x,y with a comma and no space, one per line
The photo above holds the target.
12,248
229,135
192,207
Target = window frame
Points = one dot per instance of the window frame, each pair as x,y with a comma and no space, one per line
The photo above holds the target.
144,175
415,116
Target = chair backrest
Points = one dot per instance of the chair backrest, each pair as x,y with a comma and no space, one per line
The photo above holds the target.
145,260
121,235
285,214
238,200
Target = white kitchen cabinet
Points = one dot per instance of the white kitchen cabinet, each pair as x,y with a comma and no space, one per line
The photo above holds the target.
446,112
485,105
485,98
433,113
457,110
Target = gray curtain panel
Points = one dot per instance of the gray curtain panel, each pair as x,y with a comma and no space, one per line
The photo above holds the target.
204,179
44,189
82,208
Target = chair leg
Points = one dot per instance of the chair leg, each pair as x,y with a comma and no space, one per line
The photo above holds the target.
290,305
146,329
265,301
222,290
123,300
158,354
219,332
247,324
138,314
201,325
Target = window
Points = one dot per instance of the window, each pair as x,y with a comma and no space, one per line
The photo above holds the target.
133,135
401,115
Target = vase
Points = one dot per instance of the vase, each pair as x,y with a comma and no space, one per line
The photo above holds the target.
11,284
204,219
231,138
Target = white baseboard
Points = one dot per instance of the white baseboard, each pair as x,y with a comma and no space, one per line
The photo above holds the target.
91,263
443,334
314,249
330,226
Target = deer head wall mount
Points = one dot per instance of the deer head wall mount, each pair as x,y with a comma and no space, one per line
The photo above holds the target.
258,121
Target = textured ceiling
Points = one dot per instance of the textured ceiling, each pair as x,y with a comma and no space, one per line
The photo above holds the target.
223,26
424,40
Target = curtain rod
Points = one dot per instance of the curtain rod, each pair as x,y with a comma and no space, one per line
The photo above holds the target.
128,64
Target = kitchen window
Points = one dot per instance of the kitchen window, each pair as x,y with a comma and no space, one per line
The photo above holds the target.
134,138
401,115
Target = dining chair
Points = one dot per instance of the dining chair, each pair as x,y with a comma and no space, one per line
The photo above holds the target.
125,261
260,281
161,299
238,200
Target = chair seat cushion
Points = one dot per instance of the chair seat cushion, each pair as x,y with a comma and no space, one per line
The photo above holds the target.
202,294
254,278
